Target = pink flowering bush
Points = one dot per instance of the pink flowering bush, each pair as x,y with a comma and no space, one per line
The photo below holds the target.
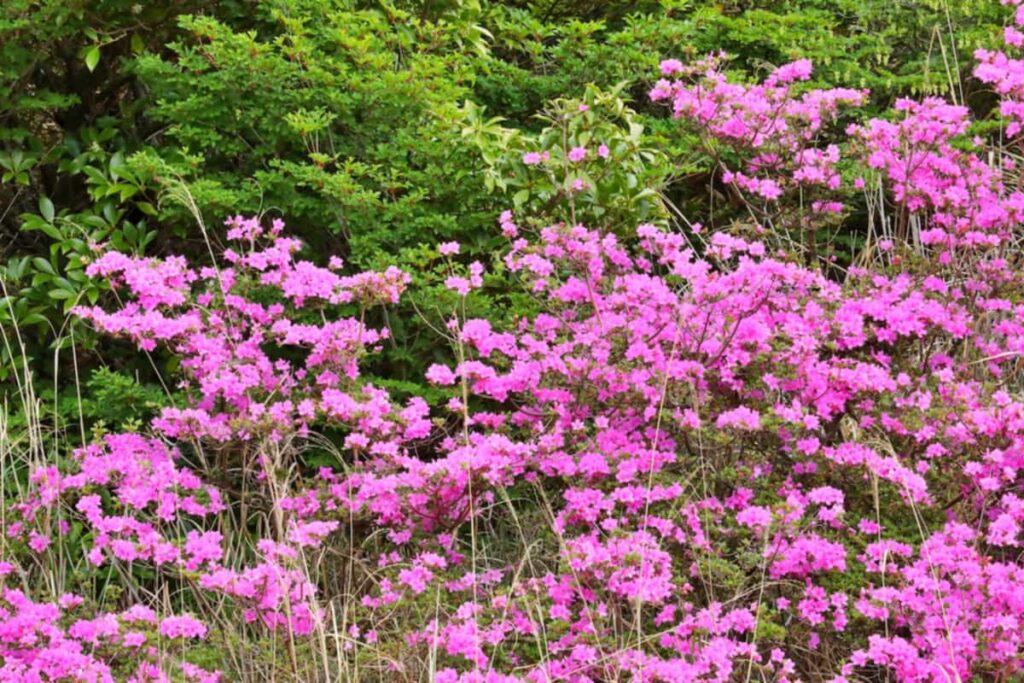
698,461
765,141
56,641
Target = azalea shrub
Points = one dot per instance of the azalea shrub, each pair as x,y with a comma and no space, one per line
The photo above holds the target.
711,453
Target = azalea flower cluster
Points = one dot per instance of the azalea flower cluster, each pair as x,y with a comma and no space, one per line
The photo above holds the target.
51,642
768,126
721,464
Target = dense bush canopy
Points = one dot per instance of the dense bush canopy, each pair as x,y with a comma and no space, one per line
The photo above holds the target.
468,341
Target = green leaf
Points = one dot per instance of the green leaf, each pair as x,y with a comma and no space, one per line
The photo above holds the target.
92,57
43,265
51,231
46,209
33,319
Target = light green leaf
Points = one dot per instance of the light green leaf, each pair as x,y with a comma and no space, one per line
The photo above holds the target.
92,57
46,209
